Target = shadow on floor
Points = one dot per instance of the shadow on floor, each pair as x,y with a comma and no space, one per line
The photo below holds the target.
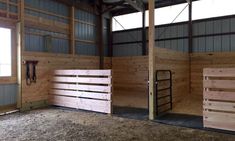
131,113
182,120
188,121
174,119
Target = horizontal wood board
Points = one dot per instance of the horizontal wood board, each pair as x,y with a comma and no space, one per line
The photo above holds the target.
219,98
89,90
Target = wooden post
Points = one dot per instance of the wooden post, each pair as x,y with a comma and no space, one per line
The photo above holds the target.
20,48
152,69
72,31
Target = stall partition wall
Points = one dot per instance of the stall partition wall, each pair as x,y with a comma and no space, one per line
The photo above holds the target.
130,76
46,36
218,95
207,60
213,45
36,95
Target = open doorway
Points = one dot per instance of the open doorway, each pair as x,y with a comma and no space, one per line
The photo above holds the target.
186,112
8,87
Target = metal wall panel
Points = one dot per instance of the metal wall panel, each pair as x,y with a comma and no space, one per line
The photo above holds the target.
85,33
214,35
171,36
8,94
34,41
82,48
49,6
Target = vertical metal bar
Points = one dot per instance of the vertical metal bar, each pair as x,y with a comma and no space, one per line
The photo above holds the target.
110,37
100,35
190,29
190,41
72,30
143,34
171,90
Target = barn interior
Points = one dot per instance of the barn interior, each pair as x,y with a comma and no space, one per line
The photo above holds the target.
52,49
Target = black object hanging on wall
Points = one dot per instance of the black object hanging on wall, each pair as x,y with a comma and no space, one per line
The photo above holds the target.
31,75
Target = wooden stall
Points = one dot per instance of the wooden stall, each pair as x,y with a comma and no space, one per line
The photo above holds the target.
219,98
82,89
36,95
130,76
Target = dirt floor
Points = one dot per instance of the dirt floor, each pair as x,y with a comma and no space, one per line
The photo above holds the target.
59,124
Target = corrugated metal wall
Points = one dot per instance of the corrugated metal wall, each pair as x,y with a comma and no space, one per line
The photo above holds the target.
209,35
85,33
34,37
85,29
8,94
129,43
216,35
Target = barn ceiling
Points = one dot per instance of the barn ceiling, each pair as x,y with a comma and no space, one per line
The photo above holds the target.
120,10
120,7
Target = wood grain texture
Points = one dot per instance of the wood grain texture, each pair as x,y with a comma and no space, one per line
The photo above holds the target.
130,76
219,100
47,64
89,95
199,61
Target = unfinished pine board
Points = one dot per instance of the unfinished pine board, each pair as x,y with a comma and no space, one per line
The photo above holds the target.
190,105
47,63
89,90
218,98
208,60
130,76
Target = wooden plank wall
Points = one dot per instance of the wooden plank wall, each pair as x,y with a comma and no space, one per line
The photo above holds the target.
130,76
82,89
48,63
207,60
219,98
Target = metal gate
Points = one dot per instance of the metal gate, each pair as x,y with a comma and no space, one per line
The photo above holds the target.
163,91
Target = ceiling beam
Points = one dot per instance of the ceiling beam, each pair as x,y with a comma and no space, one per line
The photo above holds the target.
158,4
136,4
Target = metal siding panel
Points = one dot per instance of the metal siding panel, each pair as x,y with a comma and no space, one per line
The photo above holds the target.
161,34
195,45
168,44
186,48
217,44
185,27
174,45
217,26
180,45
202,28
202,44
226,25
180,30
173,31
161,44
167,32
226,43
232,25
209,44
209,27
232,42
8,94
195,29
